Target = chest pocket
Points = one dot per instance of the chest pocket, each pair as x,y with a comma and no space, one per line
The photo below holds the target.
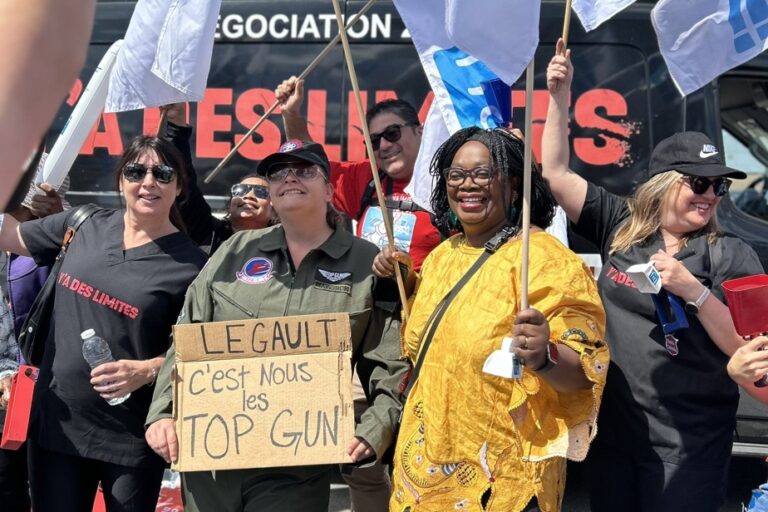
228,304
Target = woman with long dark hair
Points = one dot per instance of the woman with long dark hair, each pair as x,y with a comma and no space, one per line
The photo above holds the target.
124,276
470,440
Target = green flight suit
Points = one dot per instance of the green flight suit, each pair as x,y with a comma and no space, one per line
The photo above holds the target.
251,276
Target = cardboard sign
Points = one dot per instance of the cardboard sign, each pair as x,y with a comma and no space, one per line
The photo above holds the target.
263,393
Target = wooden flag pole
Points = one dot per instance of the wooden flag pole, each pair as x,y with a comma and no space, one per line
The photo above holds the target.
527,161
374,167
312,65
566,24
163,117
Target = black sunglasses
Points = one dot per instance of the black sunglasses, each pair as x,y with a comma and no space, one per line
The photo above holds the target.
242,190
135,172
700,185
392,133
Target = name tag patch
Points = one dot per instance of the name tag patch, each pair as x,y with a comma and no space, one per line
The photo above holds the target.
340,282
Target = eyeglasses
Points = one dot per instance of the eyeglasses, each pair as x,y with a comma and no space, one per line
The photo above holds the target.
279,175
700,185
135,172
480,176
391,133
243,189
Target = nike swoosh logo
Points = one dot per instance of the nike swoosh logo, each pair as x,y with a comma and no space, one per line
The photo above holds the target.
706,155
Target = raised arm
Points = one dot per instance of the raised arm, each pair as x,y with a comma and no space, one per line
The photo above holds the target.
569,189
290,94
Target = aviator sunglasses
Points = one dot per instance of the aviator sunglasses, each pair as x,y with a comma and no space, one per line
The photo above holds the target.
391,133
700,185
278,174
242,190
135,172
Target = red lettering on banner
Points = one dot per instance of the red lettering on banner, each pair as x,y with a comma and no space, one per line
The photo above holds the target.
151,121
425,106
209,123
110,138
317,122
602,149
267,138
355,141
540,105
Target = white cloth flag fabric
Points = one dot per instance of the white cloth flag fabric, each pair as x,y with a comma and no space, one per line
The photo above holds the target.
702,39
166,55
592,13
503,34
455,75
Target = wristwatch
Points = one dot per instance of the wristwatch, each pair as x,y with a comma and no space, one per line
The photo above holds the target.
550,362
692,308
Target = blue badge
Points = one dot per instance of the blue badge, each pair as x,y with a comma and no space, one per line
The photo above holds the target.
255,271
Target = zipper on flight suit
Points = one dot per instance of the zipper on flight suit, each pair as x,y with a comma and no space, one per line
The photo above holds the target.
232,301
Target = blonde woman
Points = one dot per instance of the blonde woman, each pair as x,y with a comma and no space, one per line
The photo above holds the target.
666,423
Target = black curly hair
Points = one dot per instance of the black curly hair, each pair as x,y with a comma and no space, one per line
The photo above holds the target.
507,159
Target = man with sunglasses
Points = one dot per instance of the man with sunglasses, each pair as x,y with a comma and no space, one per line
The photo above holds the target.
396,136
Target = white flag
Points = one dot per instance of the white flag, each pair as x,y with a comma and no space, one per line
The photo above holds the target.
592,13
702,39
166,55
503,34
454,74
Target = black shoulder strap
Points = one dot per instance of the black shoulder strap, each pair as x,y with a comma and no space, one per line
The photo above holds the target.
81,214
434,320
367,198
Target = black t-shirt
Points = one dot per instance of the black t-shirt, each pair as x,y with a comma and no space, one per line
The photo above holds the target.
131,298
681,408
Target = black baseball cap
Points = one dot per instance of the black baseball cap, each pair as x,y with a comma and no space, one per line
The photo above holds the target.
691,153
295,149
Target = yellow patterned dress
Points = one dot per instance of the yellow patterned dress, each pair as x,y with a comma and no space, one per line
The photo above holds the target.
475,442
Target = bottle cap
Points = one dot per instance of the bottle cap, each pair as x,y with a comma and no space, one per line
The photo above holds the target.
87,334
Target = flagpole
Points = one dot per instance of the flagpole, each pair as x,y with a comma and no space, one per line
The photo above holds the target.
163,117
566,24
374,167
527,161
312,65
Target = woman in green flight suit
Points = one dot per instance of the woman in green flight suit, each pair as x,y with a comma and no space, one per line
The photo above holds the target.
305,265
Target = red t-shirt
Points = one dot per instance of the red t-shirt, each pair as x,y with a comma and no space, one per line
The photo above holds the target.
413,230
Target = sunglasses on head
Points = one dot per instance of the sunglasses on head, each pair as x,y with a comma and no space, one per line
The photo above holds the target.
391,133
700,185
278,174
243,189
135,172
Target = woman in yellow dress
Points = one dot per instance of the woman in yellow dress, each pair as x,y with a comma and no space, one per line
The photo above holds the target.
470,440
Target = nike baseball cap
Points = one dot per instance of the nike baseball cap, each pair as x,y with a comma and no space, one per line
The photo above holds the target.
293,150
691,153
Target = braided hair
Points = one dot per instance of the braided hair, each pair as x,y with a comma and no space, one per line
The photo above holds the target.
507,159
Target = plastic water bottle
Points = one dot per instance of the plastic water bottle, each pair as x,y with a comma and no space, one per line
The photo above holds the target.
96,352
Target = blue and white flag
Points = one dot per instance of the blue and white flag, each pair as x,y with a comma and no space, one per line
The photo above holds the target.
455,75
503,34
166,55
592,13
702,39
